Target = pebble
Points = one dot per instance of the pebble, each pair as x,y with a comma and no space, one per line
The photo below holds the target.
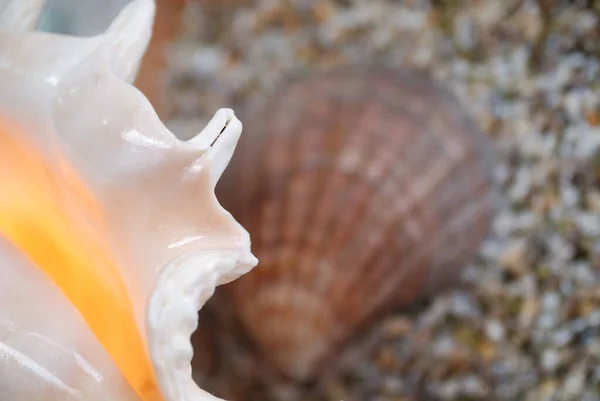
494,330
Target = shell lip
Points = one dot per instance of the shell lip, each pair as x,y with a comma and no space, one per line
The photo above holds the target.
182,288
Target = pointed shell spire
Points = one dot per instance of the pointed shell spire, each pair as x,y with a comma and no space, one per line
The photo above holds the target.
128,36
20,15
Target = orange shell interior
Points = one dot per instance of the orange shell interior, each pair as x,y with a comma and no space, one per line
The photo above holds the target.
47,212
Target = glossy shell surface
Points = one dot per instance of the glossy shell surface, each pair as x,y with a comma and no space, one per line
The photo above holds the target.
111,237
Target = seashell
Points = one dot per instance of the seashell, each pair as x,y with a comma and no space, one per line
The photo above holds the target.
111,237
362,192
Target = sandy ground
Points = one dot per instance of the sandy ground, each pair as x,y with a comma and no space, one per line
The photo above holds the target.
524,323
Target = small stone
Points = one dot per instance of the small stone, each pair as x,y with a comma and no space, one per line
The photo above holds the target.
475,387
547,321
548,388
387,360
494,330
590,396
488,351
528,313
323,11
593,118
522,185
574,383
514,257
550,360
594,318
397,326
551,301
562,337
443,346
394,385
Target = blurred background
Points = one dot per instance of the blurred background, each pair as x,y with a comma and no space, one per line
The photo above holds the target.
523,320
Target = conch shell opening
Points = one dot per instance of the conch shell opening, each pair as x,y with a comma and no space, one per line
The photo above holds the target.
117,213
41,212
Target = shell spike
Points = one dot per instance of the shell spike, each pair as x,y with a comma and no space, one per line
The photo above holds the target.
209,134
219,137
128,36
222,150
20,15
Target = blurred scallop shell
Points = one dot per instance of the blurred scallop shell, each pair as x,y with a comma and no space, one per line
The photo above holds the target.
362,191
111,237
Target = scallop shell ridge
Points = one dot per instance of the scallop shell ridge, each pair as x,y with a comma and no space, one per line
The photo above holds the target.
362,191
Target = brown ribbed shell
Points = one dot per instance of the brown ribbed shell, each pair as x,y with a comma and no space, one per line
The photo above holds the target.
361,192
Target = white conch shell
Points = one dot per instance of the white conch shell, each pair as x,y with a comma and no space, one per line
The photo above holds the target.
47,351
71,100
16,16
